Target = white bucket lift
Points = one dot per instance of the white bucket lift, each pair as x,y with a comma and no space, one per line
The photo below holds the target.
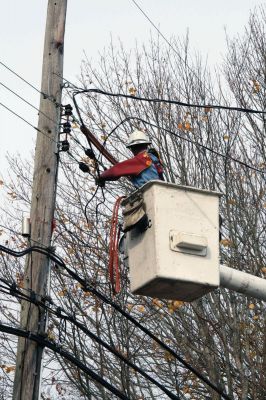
177,257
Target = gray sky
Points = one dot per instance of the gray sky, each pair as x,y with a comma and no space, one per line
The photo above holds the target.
89,27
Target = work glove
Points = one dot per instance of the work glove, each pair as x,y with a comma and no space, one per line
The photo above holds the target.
100,182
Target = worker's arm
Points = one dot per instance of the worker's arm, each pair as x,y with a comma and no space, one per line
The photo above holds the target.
132,167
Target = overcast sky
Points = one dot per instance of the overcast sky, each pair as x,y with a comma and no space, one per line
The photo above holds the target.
89,27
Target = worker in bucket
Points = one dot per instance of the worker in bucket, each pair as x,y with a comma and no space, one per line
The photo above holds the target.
143,167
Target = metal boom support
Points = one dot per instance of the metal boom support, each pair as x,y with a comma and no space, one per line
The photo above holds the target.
243,282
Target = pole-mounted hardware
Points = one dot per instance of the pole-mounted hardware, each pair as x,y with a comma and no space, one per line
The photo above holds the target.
84,167
68,110
64,145
90,153
26,227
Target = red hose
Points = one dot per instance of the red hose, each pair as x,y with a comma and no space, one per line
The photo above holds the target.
113,266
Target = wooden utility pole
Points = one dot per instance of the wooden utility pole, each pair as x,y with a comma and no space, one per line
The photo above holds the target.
37,269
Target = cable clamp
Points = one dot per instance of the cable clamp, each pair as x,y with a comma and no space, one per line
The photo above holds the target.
47,299
59,348
33,296
13,287
51,249
59,310
86,285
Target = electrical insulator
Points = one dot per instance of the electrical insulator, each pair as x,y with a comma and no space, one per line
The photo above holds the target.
68,109
66,127
65,145
90,153
84,167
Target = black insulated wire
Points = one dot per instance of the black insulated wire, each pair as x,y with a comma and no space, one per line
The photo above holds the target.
225,156
65,354
27,122
95,159
179,103
27,102
45,95
193,142
85,285
62,314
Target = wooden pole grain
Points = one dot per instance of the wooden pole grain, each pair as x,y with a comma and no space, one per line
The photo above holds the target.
37,269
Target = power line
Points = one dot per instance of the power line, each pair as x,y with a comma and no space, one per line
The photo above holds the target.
25,101
86,286
157,29
179,103
27,122
13,291
225,156
65,354
19,116
20,77
45,95
171,46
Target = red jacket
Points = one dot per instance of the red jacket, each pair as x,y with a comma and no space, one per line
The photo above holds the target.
132,167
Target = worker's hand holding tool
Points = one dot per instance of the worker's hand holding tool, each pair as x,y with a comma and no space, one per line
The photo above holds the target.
100,181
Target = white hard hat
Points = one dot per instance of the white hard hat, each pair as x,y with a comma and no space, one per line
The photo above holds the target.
137,137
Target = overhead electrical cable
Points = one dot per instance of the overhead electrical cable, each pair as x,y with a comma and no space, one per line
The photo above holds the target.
166,40
19,116
23,119
169,101
45,95
67,83
65,354
86,286
172,47
211,150
27,122
19,76
26,101
102,147
225,156
59,312
157,29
